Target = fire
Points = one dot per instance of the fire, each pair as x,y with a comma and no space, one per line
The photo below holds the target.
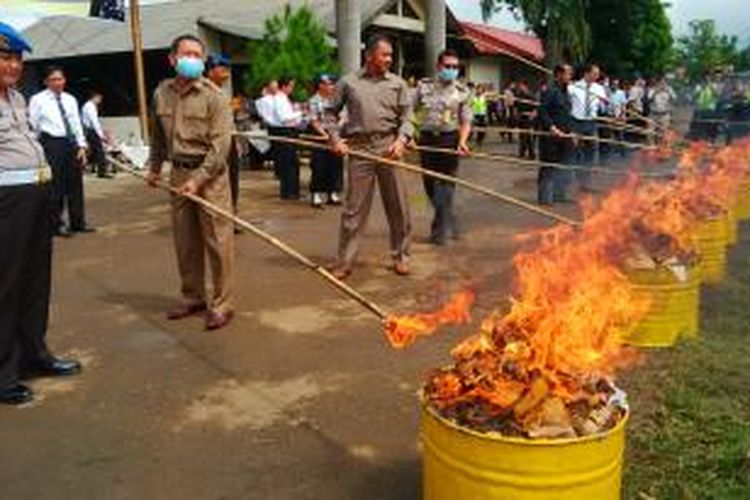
545,367
403,331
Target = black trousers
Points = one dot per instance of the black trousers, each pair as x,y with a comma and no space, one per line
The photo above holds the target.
286,163
552,183
526,139
441,193
235,165
96,152
25,273
327,172
67,181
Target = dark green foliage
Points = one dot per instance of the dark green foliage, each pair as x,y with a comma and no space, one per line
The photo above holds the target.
295,44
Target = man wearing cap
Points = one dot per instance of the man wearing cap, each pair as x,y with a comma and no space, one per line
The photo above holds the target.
443,107
217,70
327,168
379,122
192,130
26,236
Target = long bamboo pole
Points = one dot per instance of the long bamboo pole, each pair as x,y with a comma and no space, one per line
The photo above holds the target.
591,138
512,159
429,173
140,78
536,163
273,241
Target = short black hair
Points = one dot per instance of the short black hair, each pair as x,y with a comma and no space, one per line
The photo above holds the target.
52,69
447,53
184,38
374,40
560,69
95,92
285,80
590,66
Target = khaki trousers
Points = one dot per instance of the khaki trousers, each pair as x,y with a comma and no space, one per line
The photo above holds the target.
362,175
199,233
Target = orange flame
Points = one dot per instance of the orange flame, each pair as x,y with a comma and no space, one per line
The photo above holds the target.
402,331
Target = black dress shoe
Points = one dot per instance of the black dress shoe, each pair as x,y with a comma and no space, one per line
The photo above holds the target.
16,395
53,368
85,229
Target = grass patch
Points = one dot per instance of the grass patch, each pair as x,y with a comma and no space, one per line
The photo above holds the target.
689,437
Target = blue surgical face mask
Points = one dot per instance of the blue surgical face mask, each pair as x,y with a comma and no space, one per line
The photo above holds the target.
448,74
190,67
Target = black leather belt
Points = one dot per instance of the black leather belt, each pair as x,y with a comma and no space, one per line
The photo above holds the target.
188,163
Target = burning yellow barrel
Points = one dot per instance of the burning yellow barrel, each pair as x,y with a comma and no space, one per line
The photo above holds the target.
461,464
732,230
711,238
742,205
674,304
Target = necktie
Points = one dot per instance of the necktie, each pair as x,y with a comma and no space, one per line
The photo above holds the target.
68,129
587,100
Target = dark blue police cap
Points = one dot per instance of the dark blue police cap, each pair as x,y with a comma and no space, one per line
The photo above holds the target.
11,40
217,60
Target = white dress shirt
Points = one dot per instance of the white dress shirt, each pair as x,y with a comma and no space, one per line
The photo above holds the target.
90,118
284,111
45,117
265,108
586,99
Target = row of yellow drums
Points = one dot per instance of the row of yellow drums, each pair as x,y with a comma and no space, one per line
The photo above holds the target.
461,464
674,311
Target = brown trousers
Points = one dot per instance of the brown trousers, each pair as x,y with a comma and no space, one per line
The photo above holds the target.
362,175
199,233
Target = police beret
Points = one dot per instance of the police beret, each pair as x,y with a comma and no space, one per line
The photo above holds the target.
215,60
11,40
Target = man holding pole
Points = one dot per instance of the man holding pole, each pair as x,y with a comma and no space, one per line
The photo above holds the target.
379,122
26,236
443,107
192,130
587,96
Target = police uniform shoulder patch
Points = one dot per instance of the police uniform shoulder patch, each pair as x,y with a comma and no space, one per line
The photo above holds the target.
210,85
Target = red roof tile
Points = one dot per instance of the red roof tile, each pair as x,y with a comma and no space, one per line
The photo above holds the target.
491,40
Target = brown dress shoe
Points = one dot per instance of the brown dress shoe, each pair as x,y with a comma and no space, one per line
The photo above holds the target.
216,320
401,268
183,310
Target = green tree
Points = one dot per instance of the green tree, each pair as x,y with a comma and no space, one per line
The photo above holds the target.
294,44
560,25
704,50
629,37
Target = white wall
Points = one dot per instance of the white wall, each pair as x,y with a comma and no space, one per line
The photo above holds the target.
125,128
484,70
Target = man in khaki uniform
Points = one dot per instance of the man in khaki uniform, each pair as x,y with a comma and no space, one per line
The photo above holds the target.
379,121
192,129
443,109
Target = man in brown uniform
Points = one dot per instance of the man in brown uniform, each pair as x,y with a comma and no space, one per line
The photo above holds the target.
192,129
380,122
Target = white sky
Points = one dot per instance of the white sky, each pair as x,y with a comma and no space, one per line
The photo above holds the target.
732,16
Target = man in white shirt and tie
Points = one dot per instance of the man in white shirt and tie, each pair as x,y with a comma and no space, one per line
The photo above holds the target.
95,135
587,98
284,122
53,113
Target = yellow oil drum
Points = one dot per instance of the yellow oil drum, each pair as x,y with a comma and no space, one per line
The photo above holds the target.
732,230
461,464
742,203
674,306
711,240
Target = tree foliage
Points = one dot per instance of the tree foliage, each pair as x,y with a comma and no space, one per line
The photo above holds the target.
622,36
704,50
294,44
560,24
630,37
